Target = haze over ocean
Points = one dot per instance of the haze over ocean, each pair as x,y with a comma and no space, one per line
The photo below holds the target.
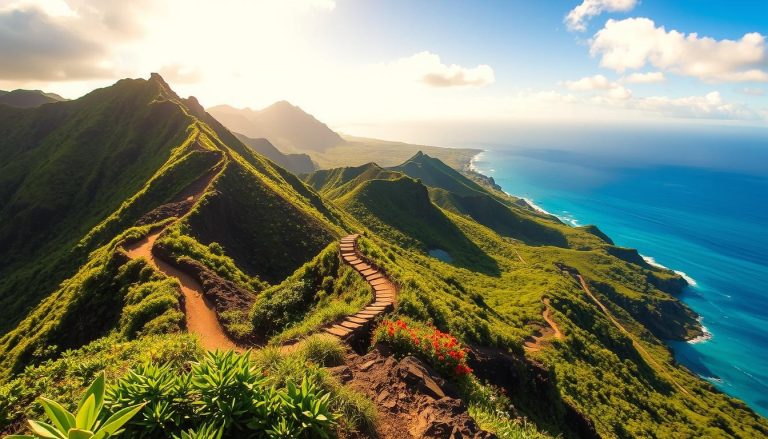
704,215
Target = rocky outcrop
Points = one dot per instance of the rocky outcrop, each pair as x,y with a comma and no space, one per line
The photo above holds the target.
412,400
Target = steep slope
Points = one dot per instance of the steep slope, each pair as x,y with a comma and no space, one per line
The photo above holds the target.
106,169
283,124
69,165
28,98
333,183
296,163
434,173
400,209
453,191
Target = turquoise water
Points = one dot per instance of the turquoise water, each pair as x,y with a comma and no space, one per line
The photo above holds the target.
709,224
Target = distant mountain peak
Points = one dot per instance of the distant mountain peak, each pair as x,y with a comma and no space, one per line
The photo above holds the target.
284,124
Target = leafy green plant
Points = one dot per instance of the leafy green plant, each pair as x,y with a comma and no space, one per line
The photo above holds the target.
226,387
164,393
85,424
207,431
309,408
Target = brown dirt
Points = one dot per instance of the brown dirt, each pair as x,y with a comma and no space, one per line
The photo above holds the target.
412,400
539,340
201,317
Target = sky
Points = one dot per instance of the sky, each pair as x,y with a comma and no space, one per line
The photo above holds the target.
358,64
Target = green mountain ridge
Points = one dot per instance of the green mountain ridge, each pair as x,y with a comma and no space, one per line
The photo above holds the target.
149,174
82,179
28,98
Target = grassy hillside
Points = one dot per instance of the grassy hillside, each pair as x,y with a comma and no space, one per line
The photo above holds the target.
84,178
69,165
595,369
264,220
492,291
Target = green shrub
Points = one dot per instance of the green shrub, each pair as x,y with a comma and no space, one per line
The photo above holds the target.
87,423
164,393
323,349
225,394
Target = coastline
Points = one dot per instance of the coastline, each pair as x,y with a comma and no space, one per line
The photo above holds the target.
704,334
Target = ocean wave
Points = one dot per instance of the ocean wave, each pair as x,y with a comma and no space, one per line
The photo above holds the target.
472,166
691,281
536,207
705,336
713,379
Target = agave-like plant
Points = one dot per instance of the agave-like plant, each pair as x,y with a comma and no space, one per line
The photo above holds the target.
309,407
85,424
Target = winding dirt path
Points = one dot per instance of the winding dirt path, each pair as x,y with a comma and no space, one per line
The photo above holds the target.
384,292
536,342
635,343
201,318
200,314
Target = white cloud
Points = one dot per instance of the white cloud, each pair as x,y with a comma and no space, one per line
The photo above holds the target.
576,20
82,40
597,82
610,90
427,68
709,106
636,42
644,78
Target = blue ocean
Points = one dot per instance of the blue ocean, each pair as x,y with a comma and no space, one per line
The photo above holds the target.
695,204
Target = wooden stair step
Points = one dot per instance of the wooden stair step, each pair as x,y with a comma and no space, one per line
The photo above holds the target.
368,272
368,313
366,317
362,266
381,304
379,281
338,331
374,308
359,320
383,287
385,298
374,276
350,325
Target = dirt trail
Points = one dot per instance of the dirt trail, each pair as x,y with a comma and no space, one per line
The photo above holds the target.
200,314
384,292
536,343
635,343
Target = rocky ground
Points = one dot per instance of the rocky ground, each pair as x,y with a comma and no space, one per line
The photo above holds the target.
412,400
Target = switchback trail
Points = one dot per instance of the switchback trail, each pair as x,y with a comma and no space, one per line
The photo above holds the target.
384,292
635,343
546,333
200,315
